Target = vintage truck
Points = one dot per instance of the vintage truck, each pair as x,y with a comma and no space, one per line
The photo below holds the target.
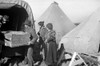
17,11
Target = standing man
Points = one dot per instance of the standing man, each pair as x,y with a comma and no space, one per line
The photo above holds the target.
42,32
33,38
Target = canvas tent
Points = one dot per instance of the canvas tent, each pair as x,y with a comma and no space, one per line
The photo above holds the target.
62,24
85,37
18,11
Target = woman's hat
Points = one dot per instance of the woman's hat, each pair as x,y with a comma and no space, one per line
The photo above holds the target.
49,26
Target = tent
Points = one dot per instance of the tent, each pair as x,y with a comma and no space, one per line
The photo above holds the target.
62,24
18,11
85,37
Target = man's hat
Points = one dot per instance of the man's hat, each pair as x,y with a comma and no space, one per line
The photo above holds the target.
41,22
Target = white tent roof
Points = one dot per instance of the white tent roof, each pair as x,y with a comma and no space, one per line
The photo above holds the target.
62,24
85,37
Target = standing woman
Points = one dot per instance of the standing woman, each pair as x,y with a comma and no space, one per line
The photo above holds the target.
51,45
33,38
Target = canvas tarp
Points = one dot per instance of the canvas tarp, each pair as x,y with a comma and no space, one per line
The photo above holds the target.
85,37
62,24
10,3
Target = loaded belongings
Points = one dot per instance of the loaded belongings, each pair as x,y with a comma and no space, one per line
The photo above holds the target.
17,38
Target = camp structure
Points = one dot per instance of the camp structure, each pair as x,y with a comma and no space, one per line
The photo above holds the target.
17,11
61,23
85,38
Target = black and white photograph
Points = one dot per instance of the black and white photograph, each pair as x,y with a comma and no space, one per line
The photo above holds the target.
49,32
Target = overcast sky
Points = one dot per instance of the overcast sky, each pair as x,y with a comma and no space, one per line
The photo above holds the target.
76,10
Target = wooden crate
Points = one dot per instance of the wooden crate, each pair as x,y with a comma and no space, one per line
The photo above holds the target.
17,39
